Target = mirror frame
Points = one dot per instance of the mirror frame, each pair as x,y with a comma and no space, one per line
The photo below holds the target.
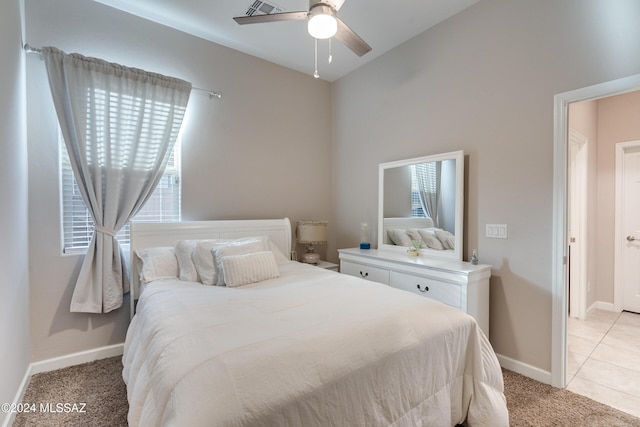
458,156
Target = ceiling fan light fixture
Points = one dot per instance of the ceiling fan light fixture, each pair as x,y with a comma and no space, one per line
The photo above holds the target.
322,22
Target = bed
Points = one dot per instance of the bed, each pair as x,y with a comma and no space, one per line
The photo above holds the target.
310,347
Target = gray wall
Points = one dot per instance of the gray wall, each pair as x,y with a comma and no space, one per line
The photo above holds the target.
484,81
263,151
14,271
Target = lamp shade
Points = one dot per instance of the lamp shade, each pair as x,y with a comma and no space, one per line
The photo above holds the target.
312,232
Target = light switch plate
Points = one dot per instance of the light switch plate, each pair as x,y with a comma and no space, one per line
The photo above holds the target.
496,231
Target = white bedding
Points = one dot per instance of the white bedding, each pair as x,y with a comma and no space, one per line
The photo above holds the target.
310,348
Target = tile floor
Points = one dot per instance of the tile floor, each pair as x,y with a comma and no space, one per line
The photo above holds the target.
604,359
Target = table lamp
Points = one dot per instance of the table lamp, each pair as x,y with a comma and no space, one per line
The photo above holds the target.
311,233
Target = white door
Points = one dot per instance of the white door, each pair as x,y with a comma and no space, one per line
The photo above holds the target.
629,235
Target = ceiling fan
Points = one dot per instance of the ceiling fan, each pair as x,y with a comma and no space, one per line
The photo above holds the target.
323,23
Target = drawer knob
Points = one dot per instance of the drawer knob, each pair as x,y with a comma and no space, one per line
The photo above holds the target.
364,275
426,288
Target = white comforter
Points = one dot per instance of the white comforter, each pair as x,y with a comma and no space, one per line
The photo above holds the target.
311,348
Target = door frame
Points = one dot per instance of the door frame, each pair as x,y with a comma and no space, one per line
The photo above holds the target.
578,290
559,298
618,285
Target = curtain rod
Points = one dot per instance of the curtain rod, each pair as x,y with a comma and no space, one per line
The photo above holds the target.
212,93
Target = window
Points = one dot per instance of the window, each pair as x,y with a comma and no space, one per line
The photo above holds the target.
77,225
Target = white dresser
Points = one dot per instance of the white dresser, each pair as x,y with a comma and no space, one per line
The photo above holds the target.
456,283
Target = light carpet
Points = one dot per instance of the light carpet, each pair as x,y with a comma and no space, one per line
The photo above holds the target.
99,386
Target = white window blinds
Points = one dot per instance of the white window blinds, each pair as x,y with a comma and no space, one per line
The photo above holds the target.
77,225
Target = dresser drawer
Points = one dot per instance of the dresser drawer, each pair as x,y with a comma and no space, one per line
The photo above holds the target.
374,274
443,292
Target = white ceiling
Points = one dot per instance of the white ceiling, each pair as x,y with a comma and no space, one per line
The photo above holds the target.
382,24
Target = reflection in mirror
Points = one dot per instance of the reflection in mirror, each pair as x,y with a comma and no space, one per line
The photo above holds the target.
421,200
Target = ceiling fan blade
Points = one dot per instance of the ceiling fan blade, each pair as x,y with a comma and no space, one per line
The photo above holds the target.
350,39
272,17
338,4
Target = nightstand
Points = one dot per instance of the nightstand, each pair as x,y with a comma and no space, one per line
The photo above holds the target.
327,265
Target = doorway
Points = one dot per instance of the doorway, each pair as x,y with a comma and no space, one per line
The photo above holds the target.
602,359
560,256
627,226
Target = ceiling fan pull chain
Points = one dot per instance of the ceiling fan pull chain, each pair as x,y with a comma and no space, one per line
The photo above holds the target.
330,60
315,74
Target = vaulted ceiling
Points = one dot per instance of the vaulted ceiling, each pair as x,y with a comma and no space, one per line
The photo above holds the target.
382,24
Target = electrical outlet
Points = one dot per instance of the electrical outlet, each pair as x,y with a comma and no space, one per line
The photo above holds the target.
496,231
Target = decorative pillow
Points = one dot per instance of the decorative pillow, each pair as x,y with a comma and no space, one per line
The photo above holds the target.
399,237
447,239
158,263
204,262
239,270
187,268
431,240
414,234
236,247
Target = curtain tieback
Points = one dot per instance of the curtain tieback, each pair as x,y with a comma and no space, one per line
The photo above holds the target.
105,230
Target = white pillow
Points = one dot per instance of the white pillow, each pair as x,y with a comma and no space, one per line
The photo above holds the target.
186,267
204,262
239,270
236,247
399,237
414,234
279,256
447,239
431,240
158,263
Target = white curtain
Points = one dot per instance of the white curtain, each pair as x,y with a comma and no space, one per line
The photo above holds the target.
428,176
118,124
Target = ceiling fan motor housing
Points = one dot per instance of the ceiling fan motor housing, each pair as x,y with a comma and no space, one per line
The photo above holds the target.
328,3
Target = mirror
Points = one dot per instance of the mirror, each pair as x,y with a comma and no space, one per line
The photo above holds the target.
422,199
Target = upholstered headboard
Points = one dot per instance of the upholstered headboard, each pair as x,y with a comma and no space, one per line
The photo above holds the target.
403,224
146,235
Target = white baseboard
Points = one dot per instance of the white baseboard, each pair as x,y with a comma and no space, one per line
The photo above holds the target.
606,306
592,309
536,373
524,369
77,358
10,417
